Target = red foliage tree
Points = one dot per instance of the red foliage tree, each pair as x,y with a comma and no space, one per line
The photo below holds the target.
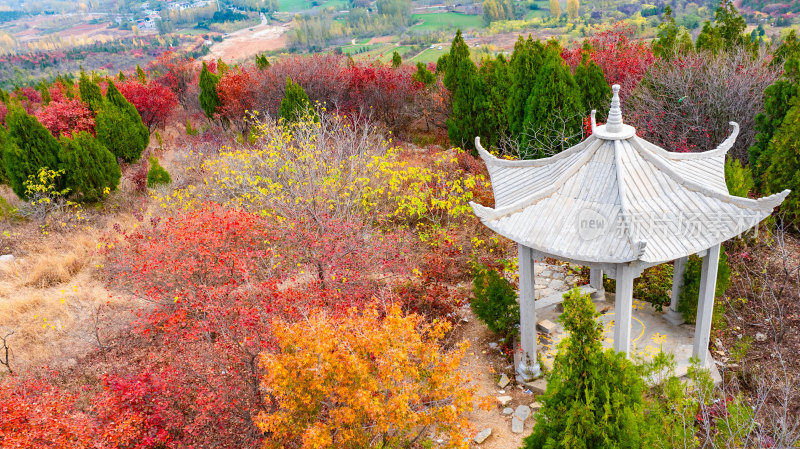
624,60
154,101
179,74
67,116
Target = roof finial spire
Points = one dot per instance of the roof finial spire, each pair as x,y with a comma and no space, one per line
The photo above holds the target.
614,123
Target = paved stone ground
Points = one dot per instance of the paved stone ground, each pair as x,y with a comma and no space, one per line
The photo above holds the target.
552,279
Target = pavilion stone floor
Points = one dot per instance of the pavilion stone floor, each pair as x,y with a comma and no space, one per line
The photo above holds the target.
650,333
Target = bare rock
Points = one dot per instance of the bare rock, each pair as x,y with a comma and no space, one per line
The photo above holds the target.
517,425
536,406
507,411
6,258
504,400
538,386
504,381
761,337
522,412
546,326
483,435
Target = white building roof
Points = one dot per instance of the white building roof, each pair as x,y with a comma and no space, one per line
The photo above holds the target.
616,198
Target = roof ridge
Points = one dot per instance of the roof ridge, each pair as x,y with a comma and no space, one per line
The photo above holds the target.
722,148
637,247
490,158
761,204
494,214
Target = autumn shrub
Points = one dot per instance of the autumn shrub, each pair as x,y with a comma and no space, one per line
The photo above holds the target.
63,118
154,101
594,397
495,302
362,380
157,175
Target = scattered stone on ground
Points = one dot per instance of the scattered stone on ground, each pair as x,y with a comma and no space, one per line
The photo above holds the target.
522,412
761,337
507,411
535,406
546,326
6,258
504,400
504,381
493,345
483,435
538,386
517,425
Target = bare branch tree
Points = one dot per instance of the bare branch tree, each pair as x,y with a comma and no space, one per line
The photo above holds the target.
543,141
6,351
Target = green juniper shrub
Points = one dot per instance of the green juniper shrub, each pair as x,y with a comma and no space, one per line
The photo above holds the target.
295,102
89,168
29,148
423,75
119,126
190,131
495,302
397,61
654,285
594,397
690,291
157,175
209,99
90,92
739,179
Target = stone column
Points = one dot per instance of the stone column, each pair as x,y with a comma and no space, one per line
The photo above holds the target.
672,315
623,308
596,282
528,367
705,304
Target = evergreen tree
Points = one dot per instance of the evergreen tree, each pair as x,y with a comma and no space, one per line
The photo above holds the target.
525,62
222,68
30,148
396,60
554,104
5,141
782,172
726,32
497,80
262,62
90,92
121,76
423,75
467,94
44,88
595,91
209,100
778,98
89,167
667,36
141,75
117,111
295,102
594,397
157,175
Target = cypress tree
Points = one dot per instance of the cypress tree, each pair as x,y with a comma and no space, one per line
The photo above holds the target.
90,92
782,172
119,126
295,102
262,62
496,77
667,36
555,98
121,76
423,75
594,397
5,141
157,175
525,62
89,167
467,93
396,60
595,91
30,148
209,100
141,75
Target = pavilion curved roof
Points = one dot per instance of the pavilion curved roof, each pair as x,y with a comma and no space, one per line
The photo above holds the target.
616,198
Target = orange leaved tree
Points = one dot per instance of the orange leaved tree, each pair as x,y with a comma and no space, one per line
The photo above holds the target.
364,380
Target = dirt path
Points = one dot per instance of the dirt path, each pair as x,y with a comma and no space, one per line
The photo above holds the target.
247,42
485,365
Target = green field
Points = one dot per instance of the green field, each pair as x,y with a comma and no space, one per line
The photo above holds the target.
337,5
447,20
430,54
293,5
540,13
